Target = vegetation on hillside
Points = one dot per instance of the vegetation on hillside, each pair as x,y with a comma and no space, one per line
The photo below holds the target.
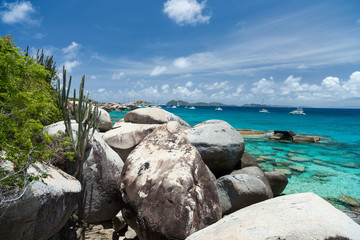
27,104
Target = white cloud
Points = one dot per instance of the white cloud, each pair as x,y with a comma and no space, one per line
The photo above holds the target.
92,77
71,50
238,91
165,88
189,84
181,62
185,92
18,12
69,65
158,70
100,90
216,85
186,11
353,85
117,76
263,87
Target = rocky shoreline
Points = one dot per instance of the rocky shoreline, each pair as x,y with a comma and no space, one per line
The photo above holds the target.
165,179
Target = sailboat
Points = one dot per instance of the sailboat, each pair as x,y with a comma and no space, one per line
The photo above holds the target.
263,110
298,111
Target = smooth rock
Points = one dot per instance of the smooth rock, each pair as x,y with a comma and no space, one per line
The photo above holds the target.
43,209
278,182
220,145
283,171
258,173
166,190
100,179
126,137
153,116
237,191
290,217
247,161
105,122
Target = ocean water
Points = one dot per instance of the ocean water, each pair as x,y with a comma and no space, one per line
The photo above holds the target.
329,168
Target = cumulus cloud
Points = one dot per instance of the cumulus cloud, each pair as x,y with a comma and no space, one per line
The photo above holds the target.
69,65
189,84
186,11
181,62
100,90
93,77
18,12
353,85
158,70
117,75
292,89
263,86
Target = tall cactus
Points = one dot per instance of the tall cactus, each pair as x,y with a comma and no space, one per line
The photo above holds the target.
85,114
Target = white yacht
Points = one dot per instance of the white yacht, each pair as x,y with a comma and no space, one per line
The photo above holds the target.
263,110
298,111
192,107
218,109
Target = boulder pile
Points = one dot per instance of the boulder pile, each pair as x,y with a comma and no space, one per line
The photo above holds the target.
163,179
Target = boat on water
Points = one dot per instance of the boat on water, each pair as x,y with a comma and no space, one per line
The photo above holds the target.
192,107
298,111
218,109
263,110
174,106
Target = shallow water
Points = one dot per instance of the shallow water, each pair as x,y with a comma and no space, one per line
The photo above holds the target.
328,168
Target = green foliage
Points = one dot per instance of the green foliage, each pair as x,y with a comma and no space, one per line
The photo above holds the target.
27,103
85,114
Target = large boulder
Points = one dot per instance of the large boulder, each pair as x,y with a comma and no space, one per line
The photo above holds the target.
257,172
237,191
102,166
100,178
125,138
297,216
219,145
105,121
44,207
152,116
166,189
278,182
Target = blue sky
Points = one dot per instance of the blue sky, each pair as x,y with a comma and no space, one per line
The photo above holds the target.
298,53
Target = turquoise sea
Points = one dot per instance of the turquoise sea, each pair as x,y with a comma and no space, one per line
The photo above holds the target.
329,168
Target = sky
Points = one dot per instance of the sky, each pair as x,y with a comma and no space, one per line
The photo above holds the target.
282,52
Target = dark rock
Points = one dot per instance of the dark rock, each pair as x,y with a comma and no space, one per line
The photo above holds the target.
247,161
220,145
256,172
237,191
278,182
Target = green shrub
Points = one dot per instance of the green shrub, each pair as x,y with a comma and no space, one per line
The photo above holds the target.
27,103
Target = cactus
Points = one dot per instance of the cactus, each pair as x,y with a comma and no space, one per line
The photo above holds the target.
84,114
